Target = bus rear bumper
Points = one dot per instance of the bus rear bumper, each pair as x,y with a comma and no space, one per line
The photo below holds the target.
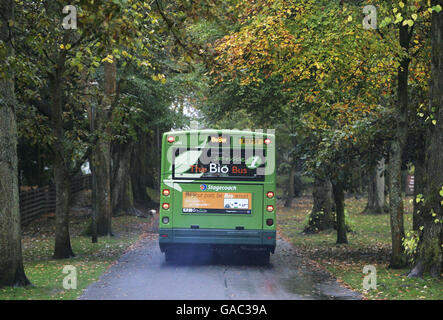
246,239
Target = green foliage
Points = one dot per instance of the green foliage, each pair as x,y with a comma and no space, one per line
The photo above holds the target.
410,243
128,33
332,118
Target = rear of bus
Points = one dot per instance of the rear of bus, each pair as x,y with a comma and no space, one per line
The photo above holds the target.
218,191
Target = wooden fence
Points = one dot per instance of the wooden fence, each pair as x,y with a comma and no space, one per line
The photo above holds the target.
34,203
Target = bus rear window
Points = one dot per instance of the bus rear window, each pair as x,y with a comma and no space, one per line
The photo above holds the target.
219,164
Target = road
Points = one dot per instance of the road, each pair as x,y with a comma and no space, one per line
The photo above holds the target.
143,274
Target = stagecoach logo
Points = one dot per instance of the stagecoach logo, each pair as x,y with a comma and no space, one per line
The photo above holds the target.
204,187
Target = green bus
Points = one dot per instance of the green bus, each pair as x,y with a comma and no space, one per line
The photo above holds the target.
218,191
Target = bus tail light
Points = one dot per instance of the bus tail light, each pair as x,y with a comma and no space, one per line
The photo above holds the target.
270,194
269,222
165,206
270,208
171,139
267,141
165,220
166,192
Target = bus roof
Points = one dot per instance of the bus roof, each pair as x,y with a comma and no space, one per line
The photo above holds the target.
225,131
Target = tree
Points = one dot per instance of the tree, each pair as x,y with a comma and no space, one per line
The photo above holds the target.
331,79
11,263
322,215
409,21
376,190
64,62
128,32
102,151
398,258
63,247
430,248
49,65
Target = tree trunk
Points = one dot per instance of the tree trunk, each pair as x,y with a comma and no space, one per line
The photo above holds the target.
102,153
93,227
11,262
122,197
62,248
290,194
321,217
92,230
429,252
143,175
139,170
380,186
339,199
398,258
103,188
376,190
417,220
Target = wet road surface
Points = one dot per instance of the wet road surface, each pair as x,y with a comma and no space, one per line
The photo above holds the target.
143,274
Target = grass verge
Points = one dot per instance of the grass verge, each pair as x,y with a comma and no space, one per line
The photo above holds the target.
91,261
369,244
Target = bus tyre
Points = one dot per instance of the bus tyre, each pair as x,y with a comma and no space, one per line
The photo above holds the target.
264,257
169,255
